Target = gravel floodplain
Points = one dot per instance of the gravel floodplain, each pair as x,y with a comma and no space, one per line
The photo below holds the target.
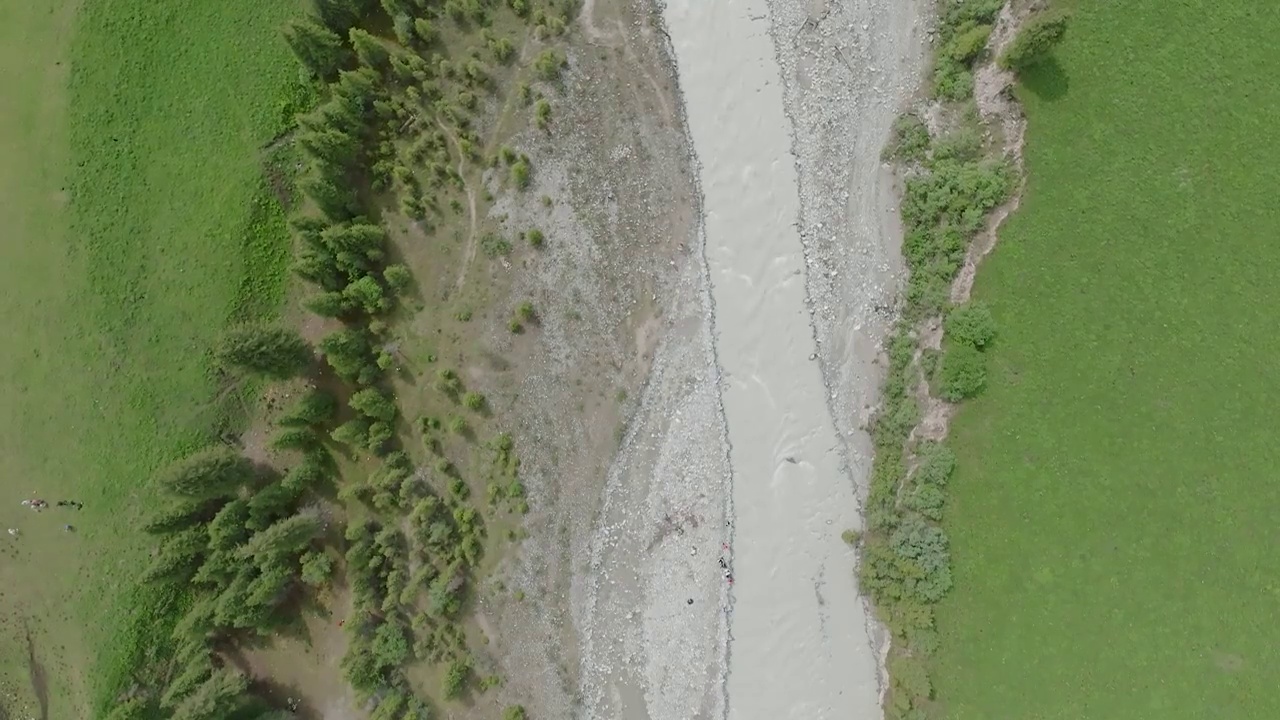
718,584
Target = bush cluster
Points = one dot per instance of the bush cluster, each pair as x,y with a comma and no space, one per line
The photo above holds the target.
963,30
905,564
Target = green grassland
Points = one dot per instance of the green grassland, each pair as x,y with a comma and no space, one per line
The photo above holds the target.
1112,521
137,226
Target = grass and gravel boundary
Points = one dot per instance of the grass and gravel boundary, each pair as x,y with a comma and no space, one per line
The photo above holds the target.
956,173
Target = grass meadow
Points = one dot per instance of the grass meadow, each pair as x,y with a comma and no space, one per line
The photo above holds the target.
1113,517
137,225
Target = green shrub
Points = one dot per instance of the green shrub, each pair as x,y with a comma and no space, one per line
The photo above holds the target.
398,277
535,238
549,63
455,679
909,676
922,556
493,244
473,401
963,373
966,45
971,324
851,537
514,712
926,500
936,464
542,114
910,139
1035,40
520,175
525,312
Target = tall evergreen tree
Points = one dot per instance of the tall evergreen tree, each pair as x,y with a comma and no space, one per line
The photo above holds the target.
283,539
181,515
179,556
265,350
326,186
373,403
318,48
347,352
331,146
370,50
215,472
315,407
218,697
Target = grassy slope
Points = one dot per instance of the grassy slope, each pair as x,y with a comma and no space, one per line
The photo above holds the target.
128,245
1113,520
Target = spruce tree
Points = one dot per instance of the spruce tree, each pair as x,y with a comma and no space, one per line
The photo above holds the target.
271,351
370,50
218,697
318,48
215,472
187,681
328,189
347,351
374,403
283,539
180,516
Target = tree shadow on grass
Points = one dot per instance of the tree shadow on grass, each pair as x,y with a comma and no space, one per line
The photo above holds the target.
1047,80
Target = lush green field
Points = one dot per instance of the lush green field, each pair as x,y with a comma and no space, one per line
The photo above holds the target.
136,226
1113,520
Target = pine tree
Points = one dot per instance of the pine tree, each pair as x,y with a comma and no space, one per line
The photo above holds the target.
227,530
308,474
215,699
178,556
187,681
215,472
265,350
337,15
374,403
283,539
347,351
180,516
329,191
270,504
271,585
132,709
318,265
318,48
331,146
328,304
370,50
367,295
197,623
316,407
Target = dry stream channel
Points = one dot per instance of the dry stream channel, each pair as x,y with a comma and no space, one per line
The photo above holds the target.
747,447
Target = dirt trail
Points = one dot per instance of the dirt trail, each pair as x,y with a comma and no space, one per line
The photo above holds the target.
469,255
